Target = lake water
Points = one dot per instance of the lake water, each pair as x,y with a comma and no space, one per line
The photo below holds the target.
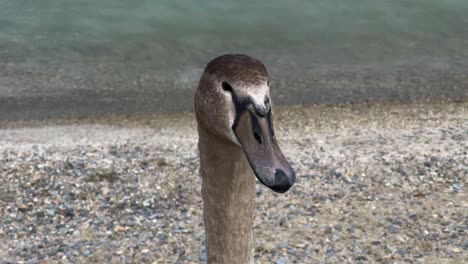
81,57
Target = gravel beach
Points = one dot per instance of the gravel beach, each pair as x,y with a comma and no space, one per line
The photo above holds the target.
375,184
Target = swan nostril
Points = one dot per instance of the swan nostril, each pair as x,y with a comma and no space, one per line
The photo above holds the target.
258,138
267,104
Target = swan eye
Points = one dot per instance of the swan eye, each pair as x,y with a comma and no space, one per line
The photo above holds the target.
226,86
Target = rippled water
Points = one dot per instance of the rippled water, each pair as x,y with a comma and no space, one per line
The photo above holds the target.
316,51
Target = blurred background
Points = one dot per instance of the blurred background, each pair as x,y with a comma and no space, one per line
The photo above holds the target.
82,57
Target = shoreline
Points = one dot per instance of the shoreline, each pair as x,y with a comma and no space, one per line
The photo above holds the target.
140,118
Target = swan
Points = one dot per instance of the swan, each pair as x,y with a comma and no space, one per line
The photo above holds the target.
236,144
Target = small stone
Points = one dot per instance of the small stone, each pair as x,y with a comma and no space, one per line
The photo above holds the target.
23,207
402,251
203,257
327,229
357,250
32,261
162,162
281,260
301,245
282,245
120,229
146,203
456,250
76,247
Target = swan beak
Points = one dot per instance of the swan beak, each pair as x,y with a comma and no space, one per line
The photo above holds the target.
256,136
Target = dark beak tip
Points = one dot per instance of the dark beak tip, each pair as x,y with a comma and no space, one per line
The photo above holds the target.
278,189
283,182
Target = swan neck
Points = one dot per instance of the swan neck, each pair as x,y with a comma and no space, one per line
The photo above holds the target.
228,197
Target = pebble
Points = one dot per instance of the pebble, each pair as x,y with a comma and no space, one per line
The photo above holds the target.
282,245
281,261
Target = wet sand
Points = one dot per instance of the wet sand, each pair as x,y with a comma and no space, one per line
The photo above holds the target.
87,90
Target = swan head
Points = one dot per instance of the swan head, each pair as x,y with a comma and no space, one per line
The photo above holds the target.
233,103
